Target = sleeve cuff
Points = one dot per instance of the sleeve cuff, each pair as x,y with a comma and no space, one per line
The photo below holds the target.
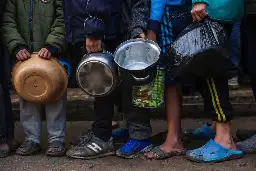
53,50
94,28
136,32
18,48
153,25
200,1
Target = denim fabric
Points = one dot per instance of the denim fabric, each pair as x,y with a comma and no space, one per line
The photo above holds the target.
235,48
30,117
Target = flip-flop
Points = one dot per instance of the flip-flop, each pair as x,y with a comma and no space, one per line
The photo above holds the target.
205,132
212,152
4,152
159,154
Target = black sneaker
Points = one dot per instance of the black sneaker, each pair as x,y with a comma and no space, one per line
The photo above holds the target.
28,148
92,147
75,141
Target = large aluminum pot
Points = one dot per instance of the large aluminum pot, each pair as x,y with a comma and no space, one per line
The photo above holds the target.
138,58
97,74
39,80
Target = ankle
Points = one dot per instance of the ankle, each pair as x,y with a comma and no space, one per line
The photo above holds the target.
224,135
223,129
173,142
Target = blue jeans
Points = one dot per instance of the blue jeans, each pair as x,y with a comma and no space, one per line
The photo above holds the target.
235,48
30,118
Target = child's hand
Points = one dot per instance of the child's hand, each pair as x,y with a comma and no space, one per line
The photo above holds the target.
23,55
92,45
142,35
44,53
198,12
151,35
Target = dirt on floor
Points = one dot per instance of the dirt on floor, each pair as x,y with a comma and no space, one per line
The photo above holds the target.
113,163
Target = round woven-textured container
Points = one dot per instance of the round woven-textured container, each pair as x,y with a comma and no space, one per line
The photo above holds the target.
39,80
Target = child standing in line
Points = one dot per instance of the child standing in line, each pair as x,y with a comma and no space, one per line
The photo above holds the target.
37,26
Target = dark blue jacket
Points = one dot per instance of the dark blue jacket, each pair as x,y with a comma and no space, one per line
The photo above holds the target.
97,19
2,5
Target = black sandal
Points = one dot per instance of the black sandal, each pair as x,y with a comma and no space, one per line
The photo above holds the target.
158,154
4,151
13,144
56,149
28,148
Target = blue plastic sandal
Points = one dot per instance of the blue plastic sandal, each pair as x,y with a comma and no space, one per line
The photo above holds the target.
213,152
205,132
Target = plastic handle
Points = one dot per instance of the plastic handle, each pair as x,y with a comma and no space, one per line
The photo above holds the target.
64,63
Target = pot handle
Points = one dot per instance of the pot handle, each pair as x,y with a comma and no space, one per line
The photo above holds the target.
141,79
144,80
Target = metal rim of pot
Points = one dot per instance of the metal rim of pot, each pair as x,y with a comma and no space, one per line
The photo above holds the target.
145,75
104,61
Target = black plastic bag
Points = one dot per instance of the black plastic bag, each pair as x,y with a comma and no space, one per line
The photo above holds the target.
199,51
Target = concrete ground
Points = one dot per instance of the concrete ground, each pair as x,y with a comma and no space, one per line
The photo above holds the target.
113,163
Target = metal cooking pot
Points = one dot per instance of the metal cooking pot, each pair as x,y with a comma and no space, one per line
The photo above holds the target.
97,74
38,80
138,58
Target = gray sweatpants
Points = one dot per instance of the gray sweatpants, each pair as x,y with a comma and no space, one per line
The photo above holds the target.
30,117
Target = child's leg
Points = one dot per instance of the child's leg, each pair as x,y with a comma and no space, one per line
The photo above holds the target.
139,125
30,118
172,145
173,109
56,120
216,98
139,132
98,142
56,127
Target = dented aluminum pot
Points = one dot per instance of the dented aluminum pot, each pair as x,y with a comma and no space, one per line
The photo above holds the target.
138,58
97,74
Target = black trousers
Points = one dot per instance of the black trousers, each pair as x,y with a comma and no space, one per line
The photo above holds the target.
6,121
215,92
103,106
250,22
